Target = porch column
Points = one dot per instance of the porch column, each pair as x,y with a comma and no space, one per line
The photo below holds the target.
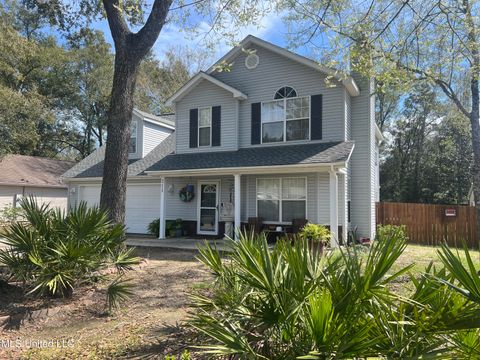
237,199
162,209
334,207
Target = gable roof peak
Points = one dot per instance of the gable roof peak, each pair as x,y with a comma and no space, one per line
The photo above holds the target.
347,81
201,75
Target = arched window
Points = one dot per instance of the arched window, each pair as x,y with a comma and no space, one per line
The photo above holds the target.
285,92
286,118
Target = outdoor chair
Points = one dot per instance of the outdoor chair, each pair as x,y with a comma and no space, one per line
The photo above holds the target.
255,225
297,225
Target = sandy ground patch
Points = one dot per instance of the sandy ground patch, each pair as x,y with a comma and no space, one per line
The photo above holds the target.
149,324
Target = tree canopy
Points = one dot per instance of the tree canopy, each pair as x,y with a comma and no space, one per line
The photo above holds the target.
54,96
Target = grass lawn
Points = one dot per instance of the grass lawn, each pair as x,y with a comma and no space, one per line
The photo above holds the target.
421,256
149,324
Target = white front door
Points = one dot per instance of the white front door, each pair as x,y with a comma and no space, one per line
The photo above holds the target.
207,219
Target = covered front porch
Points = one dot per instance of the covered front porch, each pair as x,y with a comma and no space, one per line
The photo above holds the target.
215,193
214,205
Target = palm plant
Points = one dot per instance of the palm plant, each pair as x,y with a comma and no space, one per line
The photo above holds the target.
287,303
54,252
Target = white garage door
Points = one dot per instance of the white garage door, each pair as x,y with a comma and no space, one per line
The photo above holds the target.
143,204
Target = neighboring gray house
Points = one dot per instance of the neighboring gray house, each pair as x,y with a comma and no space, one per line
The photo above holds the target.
268,139
22,175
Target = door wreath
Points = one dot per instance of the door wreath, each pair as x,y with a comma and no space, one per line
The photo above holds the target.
186,193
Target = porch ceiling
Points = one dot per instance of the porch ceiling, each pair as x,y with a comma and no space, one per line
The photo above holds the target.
256,158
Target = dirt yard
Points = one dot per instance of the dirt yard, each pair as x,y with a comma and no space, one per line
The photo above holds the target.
149,324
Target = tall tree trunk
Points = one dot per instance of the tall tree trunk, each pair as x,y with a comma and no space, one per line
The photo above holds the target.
130,49
474,114
119,117
474,121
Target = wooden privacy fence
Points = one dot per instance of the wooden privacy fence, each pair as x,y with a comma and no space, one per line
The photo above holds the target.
428,224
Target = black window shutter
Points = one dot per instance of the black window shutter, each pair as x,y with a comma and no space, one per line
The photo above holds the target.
256,123
316,117
193,128
216,125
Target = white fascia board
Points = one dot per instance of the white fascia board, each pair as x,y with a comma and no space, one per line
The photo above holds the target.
161,124
22,184
248,170
348,82
137,178
185,89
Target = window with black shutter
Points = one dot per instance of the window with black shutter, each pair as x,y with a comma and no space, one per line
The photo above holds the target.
216,125
193,128
316,117
256,123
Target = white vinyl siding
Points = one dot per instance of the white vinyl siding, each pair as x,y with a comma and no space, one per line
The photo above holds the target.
206,94
272,73
153,135
57,198
362,162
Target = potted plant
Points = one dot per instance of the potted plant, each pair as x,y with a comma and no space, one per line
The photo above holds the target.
318,236
170,228
178,227
154,228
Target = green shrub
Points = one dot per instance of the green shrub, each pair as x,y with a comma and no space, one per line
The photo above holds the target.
398,232
10,214
154,228
288,303
53,252
316,233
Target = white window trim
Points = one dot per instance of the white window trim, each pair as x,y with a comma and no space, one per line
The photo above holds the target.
280,220
198,127
134,136
285,120
281,87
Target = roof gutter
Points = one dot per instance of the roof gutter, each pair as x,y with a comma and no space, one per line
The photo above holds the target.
248,170
33,185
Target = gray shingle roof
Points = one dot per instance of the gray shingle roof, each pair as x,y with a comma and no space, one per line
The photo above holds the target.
92,166
316,153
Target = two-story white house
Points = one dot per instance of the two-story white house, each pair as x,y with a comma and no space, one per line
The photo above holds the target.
268,139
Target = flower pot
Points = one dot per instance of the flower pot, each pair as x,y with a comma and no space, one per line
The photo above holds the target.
178,232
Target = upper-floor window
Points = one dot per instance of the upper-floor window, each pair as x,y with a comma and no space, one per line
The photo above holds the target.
285,92
132,149
287,118
205,126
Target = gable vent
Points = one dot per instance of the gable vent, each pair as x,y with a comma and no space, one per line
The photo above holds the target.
251,61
